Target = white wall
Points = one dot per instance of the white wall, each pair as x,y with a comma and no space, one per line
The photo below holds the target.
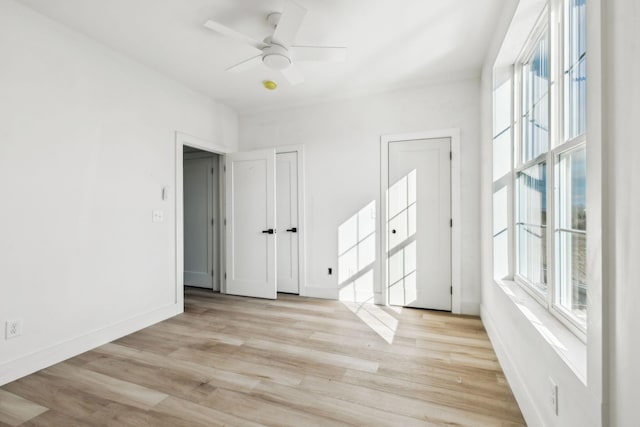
621,110
342,149
86,144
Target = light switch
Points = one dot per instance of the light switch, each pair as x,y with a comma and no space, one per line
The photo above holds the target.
158,216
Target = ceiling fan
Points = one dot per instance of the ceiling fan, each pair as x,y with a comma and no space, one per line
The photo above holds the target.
277,51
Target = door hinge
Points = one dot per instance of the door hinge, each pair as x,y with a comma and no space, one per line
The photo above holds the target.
451,289
212,273
225,222
225,276
212,221
212,172
224,168
450,155
451,223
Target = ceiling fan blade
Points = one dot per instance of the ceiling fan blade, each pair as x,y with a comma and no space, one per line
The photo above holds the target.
289,24
231,33
292,74
318,53
245,65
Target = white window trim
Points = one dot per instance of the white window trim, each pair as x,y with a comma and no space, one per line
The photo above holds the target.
553,22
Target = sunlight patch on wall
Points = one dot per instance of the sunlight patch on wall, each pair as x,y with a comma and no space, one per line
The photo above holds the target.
357,254
402,246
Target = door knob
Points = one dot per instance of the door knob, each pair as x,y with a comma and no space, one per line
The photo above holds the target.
393,231
292,230
269,231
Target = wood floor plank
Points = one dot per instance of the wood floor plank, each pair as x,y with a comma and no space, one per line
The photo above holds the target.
204,416
54,419
15,410
237,361
198,368
330,407
56,394
106,386
425,411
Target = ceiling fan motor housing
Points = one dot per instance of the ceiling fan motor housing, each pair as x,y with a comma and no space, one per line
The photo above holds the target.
276,57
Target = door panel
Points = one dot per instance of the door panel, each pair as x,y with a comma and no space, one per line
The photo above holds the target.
287,219
250,210
418,224
198,229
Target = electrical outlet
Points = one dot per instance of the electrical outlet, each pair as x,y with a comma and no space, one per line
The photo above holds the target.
13,328
553,395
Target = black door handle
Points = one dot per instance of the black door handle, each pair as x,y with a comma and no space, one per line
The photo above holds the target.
292,230
268,231
393,231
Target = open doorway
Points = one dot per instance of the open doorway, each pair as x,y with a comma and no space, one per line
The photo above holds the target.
201,228
190,148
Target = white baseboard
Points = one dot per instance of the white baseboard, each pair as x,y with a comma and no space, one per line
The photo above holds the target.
530,412
324,293
12,370
470,308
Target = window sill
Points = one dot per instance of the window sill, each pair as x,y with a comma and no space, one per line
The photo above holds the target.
568,346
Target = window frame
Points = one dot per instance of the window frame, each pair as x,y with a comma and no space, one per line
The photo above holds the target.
559,145
552,22
541,27
560,312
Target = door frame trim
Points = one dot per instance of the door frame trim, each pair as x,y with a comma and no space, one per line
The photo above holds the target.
183,139
456,236
302,252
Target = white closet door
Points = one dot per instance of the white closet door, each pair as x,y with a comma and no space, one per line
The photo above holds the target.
287,221
418,224
250,230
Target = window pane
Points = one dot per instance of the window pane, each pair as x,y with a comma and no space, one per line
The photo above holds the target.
571,293
575,100
572,187
535,102
531,226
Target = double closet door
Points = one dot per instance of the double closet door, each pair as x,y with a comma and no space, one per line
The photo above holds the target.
262,223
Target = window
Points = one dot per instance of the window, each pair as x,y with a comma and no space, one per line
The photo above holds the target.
531,226
535,101
531,170
575,68
570,296
571,239
540,196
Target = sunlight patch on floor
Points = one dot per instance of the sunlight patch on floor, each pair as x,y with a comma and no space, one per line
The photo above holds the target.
375,317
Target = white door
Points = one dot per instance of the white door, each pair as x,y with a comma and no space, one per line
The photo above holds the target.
418,224
250,231
198,222
287,221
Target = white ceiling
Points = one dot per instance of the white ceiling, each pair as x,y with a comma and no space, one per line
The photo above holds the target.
391,44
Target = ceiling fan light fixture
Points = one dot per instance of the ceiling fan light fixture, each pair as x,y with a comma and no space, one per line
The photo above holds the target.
276,61
276,57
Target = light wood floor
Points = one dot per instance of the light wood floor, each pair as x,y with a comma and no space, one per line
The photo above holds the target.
296,361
